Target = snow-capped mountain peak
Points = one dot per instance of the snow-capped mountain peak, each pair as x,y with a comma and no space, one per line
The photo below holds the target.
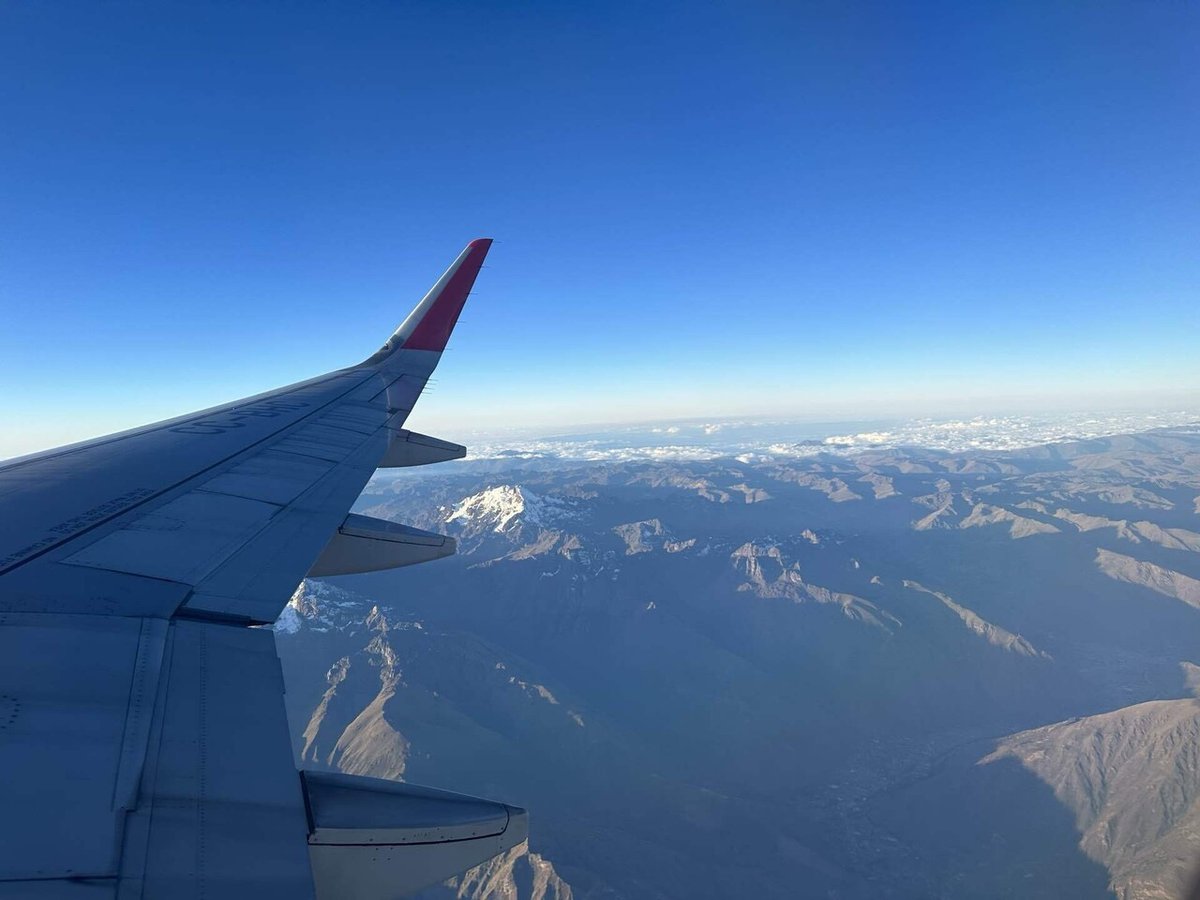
321,607
500,507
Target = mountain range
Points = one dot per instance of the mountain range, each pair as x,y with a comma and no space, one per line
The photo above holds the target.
897,673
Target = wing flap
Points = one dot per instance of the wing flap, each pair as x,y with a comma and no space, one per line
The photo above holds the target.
65,700
219,815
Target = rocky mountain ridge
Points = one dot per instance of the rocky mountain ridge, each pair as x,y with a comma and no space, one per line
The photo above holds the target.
1131,778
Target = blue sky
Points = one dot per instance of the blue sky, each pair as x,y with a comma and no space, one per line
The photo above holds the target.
820,209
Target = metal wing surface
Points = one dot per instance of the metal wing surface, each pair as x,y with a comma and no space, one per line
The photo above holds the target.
144,750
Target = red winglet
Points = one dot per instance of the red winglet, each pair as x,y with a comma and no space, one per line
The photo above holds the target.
433,331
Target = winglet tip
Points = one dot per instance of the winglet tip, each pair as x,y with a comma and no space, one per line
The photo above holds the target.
432,330
429,325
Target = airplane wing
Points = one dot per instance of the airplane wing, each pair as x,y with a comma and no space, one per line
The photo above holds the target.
144,749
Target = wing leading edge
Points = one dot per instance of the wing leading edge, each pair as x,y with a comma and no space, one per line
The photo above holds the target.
142,719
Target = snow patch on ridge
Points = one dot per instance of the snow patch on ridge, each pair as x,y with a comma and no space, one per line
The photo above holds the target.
317,606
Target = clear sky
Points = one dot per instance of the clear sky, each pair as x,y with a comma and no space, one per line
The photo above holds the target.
819,209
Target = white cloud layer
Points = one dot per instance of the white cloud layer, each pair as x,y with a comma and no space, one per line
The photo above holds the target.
750,440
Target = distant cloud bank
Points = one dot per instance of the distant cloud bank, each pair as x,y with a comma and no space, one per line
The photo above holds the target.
749,440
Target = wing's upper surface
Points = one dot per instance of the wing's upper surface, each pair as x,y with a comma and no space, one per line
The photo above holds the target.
142,737
223,511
